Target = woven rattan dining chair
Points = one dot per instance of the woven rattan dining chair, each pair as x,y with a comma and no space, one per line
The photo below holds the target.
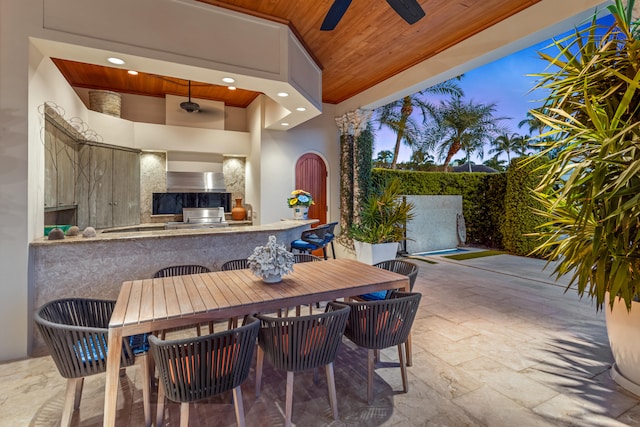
194,369
399,266
182,270
235,264
376,325
76,333
298,258
295,344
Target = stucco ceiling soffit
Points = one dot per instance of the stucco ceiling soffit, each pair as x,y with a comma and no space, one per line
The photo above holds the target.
189,40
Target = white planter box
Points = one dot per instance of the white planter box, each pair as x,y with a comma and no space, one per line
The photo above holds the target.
623,329
374,253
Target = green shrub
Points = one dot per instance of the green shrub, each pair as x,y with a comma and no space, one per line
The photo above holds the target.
519,205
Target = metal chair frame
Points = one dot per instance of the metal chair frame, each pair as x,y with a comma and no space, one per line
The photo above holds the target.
312,239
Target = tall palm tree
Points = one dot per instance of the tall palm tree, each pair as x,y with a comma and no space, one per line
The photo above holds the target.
508,143
459,125
398,115
495,163
384,158
533,123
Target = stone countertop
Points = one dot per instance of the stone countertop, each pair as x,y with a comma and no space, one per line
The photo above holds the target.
152,231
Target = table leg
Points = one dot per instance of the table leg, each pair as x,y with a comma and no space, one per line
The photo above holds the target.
113,370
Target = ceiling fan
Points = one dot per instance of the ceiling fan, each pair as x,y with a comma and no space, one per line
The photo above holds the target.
188,106
409,10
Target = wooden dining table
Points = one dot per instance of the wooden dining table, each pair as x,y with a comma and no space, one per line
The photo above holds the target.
148,305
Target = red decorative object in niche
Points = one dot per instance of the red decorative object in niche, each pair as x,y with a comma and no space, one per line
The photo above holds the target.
238,213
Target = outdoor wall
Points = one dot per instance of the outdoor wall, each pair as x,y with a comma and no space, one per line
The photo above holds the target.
434,225
279,154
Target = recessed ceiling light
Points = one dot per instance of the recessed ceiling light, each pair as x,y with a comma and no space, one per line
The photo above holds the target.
133,72
231,87
301,109
284,124
115,60
283,94
228,80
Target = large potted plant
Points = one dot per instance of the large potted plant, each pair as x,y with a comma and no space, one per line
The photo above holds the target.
591,193
381,224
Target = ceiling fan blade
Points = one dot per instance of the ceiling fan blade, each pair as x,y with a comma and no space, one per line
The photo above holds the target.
337,9
409,10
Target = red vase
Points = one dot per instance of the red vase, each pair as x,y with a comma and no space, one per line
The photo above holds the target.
238,213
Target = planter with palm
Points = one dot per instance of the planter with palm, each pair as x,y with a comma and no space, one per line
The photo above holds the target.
381,224
591,193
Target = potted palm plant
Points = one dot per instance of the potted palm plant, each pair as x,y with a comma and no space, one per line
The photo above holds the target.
381,224
591,192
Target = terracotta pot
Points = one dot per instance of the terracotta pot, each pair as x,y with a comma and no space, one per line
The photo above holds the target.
238,213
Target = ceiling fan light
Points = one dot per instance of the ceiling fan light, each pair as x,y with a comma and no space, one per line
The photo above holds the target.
190,107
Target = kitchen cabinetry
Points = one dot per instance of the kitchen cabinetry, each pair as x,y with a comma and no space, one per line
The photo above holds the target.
61,156
109,186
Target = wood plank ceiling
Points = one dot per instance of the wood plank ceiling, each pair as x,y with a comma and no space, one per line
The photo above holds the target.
370,44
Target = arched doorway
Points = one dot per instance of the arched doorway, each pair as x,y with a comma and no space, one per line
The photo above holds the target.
311,175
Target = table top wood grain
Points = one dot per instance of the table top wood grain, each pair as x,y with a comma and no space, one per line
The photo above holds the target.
176,301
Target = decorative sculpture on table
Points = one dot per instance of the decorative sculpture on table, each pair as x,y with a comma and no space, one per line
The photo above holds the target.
271,262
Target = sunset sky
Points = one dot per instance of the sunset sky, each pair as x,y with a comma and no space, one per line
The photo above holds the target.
504,82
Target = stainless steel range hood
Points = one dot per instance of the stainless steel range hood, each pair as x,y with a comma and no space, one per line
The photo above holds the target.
196,182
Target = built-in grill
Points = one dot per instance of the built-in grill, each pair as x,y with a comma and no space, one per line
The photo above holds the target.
200,218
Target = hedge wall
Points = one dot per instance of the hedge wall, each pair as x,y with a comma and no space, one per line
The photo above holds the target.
482,198
523,175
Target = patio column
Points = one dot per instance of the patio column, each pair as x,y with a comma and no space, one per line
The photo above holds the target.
350,124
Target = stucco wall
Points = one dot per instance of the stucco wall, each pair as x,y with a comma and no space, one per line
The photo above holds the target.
434,224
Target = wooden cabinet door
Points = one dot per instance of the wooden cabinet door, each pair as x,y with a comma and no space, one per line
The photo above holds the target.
126,188
85,187
50,168
101,205
66,176
60,169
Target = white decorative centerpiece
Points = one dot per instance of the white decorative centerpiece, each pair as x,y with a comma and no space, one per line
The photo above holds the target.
271,261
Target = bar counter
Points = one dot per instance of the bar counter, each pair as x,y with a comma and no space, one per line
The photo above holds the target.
96,267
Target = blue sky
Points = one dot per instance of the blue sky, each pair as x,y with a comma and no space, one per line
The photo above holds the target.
504,82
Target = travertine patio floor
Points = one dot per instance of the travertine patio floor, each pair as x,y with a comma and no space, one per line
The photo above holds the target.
496,343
